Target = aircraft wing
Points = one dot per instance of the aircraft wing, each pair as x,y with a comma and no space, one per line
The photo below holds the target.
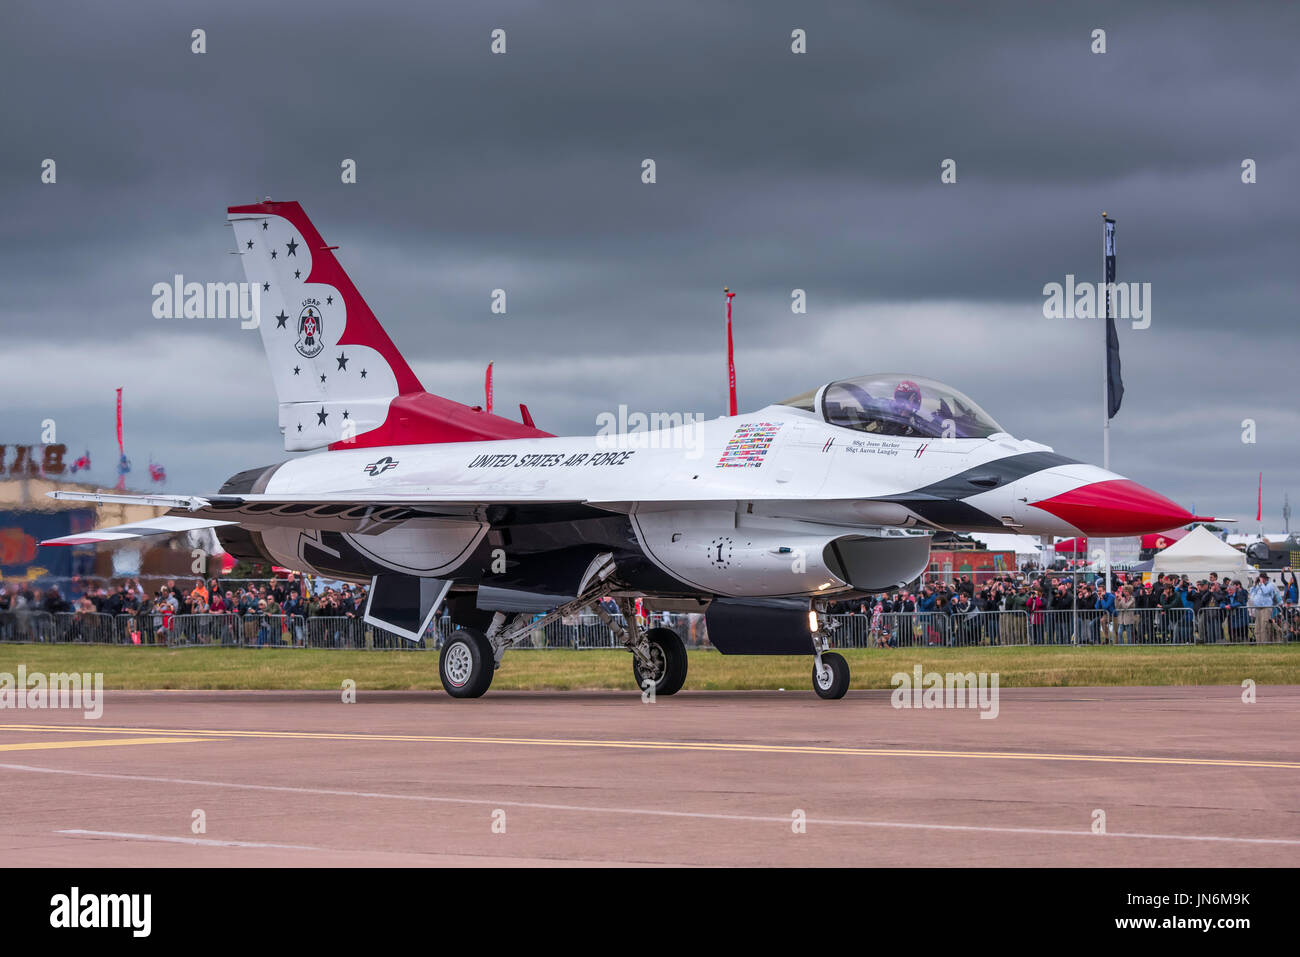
362,511
356,512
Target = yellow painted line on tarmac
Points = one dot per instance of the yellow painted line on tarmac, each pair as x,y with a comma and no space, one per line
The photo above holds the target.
725,746
100,743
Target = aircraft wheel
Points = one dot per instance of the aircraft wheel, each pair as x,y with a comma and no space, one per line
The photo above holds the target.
668,653
466,664
833,680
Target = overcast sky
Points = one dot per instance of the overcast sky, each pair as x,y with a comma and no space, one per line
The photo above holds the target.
775,171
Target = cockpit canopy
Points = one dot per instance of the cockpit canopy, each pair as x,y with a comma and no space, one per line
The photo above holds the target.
890,403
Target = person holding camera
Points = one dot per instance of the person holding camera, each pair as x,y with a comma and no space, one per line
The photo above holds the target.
1263,598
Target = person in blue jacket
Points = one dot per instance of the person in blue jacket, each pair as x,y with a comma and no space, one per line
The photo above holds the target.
926,607
1238,616
1105,604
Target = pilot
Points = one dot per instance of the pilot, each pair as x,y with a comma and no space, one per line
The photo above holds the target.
907,406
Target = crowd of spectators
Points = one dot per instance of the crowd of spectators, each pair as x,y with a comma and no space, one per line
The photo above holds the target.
266,603
962,611
1168,608
281,596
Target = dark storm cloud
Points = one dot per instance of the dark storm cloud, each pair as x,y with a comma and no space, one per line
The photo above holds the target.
775,171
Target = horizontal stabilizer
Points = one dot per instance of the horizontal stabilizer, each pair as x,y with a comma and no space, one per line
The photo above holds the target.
163,525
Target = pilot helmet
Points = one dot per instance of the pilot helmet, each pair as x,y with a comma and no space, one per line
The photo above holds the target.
907,396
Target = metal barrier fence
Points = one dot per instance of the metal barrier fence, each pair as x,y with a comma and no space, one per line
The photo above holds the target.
1090,626
27,626
292,631
1177,626
938,628
1084,626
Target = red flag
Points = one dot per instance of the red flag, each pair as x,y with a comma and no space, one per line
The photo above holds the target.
487,387
119,421
1259,508
731,357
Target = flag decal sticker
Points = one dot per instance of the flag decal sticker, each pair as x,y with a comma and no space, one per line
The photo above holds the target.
748,446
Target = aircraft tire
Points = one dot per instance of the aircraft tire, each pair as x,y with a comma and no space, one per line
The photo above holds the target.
665,645
833,686
466,664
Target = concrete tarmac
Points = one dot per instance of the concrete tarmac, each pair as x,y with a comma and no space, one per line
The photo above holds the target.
1183,776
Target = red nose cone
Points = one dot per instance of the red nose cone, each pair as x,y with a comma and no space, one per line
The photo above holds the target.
1117,507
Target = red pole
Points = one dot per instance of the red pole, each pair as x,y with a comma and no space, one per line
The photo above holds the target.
121,452
731,356
487,387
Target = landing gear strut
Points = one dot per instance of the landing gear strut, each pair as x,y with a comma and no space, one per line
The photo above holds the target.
830,673
469,656
658,655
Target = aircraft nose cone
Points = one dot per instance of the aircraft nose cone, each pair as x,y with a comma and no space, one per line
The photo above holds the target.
1116,507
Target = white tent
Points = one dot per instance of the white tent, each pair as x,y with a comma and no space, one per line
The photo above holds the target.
1198,553
1025,546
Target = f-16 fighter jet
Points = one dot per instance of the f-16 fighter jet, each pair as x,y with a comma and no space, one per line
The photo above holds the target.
757,520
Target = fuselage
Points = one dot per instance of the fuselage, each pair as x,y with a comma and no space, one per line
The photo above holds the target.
690,499
781,460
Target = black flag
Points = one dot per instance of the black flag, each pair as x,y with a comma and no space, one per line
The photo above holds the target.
1114,384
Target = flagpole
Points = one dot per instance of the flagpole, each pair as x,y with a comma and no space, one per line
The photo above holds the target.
1259,508
1105,357
1105,377
731,357
121,450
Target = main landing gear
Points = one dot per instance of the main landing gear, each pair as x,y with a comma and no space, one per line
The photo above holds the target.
668,657
470,657
658,655
466,664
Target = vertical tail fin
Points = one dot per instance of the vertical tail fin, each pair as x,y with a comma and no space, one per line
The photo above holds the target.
339,379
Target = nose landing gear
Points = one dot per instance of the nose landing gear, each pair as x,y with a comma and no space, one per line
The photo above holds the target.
830,673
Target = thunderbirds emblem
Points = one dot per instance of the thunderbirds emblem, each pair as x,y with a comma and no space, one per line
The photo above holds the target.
310,333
